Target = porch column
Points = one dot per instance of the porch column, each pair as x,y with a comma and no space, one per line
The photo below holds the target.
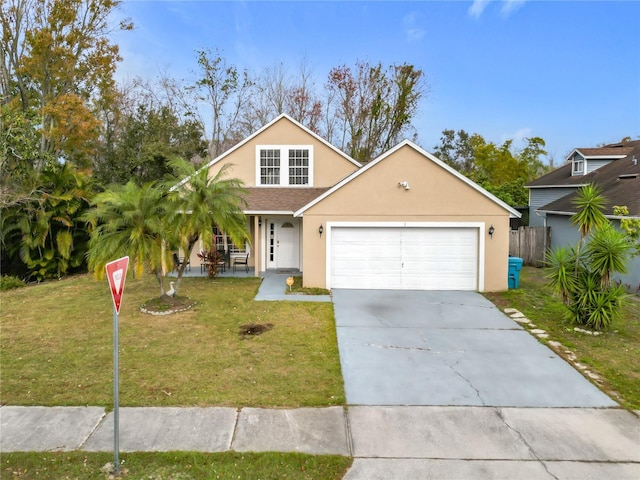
257,245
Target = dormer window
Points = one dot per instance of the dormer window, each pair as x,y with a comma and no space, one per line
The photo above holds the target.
284,165
578,165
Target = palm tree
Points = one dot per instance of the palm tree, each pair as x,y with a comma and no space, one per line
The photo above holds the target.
148,223
130,220
200,203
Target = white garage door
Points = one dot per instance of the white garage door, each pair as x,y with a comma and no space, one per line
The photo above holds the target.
420,258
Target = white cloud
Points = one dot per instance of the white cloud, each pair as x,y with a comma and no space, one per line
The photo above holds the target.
518,136
413,31
478,6
510,6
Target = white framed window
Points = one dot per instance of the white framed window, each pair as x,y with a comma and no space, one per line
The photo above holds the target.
285,165
578,165
298,166
269,166
224,243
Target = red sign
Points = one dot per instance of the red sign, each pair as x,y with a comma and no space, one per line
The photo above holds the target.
117,273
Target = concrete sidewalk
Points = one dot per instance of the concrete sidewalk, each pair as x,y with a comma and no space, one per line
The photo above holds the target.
274,286
387,442
157,429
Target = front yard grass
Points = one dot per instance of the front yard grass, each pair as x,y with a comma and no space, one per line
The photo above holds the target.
614,355
175,465
57,347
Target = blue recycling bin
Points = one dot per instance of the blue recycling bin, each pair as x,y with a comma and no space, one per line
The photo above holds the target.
515,265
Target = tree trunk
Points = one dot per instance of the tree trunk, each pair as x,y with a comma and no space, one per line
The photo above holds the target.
160,278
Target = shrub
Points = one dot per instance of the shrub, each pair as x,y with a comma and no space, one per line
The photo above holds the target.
592,305
9,283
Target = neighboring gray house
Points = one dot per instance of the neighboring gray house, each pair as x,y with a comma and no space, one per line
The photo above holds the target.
614,168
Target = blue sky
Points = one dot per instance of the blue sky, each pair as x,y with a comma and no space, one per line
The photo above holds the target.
568,72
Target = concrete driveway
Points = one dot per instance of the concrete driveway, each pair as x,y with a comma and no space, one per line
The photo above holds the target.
448,348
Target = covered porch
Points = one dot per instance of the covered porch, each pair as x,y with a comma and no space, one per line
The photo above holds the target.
276,235
197,272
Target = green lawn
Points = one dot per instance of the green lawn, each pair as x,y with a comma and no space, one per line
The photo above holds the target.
175,466
57,347
614,355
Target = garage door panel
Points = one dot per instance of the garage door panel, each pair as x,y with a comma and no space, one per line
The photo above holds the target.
413,258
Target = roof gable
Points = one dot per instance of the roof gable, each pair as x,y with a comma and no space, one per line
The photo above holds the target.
225,157
601,152
426,155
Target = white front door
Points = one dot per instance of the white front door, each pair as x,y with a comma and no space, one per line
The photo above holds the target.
283,243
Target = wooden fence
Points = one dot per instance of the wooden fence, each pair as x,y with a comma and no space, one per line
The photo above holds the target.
530,244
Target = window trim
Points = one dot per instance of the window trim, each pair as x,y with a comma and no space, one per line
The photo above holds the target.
233,250
284,165
575,161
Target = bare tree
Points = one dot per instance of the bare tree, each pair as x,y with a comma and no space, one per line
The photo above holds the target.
15,21
226,91
302,103
375,105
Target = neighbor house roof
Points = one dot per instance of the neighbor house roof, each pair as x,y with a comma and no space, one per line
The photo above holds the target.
263,200
615,151
562,177
619,181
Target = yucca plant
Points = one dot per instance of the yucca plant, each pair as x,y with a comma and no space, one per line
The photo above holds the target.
583,276
608,251
561,272
590,204
606,308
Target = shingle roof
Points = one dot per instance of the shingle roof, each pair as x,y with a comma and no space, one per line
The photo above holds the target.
619,181
280,199
559,177
607,151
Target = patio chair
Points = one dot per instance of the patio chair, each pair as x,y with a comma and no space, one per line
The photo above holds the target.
177,261
241,261
225,256
221,261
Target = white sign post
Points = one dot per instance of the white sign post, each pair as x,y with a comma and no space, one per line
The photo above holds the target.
116,274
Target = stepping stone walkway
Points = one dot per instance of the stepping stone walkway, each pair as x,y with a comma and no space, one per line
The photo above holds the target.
519,317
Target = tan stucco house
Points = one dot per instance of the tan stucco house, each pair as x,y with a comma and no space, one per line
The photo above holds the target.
405,220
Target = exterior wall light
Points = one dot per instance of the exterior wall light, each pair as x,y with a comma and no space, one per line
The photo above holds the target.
491,230
320,230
